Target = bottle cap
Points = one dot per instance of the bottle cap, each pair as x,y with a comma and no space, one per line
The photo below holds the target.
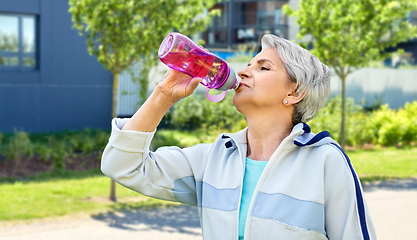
231,82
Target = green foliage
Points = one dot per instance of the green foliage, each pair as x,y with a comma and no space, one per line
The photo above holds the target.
409,113
19,146
59,154
44,151
87,141
163,139
56,147
183,138
394,127
197,112
384,126
329,119
1,141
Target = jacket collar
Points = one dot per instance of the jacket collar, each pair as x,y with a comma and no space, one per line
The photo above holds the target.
300,135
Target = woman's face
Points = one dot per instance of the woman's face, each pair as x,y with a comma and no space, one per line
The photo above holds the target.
264,84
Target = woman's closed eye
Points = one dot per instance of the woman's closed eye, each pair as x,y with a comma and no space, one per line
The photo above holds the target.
265,68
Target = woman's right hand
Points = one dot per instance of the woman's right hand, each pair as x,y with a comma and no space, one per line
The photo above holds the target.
177,85
173,87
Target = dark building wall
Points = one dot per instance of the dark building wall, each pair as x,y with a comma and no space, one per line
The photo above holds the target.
68,90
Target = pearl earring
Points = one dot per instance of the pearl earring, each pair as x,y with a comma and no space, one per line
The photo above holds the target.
286,102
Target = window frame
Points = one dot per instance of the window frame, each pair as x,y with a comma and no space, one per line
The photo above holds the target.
233,25
20,54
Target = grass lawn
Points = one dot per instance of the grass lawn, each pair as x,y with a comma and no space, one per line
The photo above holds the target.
382,164
51,198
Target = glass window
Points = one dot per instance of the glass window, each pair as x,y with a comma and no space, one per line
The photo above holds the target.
245,21
9,61
17,41
259,13
216,37
9,33
252,19
28,34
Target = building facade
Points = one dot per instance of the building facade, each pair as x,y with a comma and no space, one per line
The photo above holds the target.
48,80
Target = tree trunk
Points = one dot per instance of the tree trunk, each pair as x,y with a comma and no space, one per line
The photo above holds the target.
113,196
342,125
114,115
115,91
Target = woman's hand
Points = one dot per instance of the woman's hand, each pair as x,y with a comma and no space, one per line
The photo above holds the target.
173,87
177,85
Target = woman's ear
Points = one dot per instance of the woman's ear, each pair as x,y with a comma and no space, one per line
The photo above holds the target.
294,97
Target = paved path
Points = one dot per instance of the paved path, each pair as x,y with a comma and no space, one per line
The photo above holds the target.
393,206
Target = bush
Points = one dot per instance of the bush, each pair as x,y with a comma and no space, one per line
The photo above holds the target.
162,138
59,147
389,127
87,141
44,151
1,143
409,113
60,151
382,126
18,147
329,119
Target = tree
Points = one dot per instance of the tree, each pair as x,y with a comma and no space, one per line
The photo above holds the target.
122,32
347,35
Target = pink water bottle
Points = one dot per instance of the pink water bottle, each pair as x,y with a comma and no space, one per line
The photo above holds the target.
182,54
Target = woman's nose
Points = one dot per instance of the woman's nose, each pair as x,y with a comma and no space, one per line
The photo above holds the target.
244,73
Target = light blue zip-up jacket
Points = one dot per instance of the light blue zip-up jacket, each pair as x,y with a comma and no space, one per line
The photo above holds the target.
308,190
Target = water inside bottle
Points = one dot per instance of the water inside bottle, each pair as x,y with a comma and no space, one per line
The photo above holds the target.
199,64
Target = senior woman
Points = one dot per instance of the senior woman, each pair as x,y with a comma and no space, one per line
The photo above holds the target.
273,180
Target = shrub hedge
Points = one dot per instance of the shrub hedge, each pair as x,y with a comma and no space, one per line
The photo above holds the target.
52,147
383,126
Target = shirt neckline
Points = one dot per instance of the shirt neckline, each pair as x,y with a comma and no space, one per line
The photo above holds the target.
255,162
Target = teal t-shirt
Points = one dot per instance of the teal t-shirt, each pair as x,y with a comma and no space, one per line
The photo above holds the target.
253,171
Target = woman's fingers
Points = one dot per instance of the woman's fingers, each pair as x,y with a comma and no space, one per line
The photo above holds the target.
193,85
178,85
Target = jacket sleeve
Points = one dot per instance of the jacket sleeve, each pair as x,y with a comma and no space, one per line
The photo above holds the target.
167,173
347,216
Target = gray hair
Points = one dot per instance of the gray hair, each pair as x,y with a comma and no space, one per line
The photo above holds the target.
307,72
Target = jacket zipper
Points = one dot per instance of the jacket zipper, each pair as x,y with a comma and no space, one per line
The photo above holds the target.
243,161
